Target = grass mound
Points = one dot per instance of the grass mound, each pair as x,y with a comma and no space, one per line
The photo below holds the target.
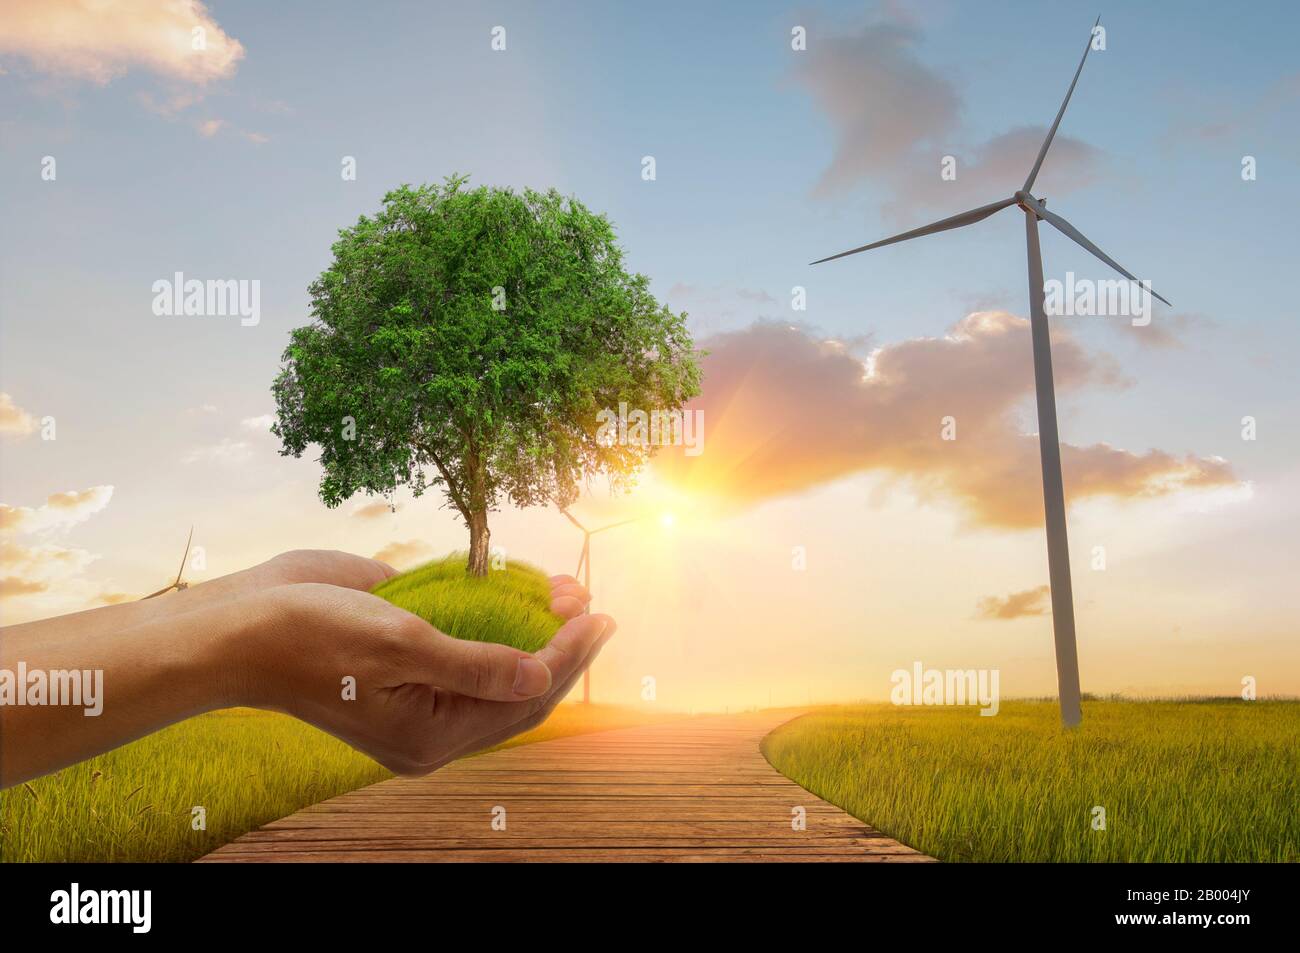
510,606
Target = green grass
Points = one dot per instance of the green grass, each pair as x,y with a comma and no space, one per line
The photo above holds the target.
245,767
1197,780
510,605
248,767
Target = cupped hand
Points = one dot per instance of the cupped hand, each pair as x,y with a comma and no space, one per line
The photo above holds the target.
390,684
302,634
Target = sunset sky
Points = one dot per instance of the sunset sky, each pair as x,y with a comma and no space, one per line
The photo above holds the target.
821,426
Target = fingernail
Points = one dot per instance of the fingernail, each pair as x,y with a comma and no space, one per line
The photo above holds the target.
531,678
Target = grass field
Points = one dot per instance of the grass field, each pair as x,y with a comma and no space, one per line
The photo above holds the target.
245,767
1197,780
511,605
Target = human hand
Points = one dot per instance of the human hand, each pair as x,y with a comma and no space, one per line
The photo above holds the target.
283,635
393,686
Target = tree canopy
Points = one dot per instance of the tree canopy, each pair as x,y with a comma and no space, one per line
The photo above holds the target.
467,339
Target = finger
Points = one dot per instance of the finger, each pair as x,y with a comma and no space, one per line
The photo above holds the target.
567,651
354,572
566,607
330,566
561,580
571,589
534,713
461,721
568,599
560,688
482,670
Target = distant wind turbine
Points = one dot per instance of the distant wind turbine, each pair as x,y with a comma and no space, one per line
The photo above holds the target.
1058,554
584,567
178,585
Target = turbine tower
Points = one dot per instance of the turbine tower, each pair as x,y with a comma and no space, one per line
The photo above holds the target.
1058,553
177,585
584,567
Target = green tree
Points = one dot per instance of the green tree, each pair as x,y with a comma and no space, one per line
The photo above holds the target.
467,339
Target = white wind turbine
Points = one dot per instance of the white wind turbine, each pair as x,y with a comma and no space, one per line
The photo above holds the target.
1058,554
584,567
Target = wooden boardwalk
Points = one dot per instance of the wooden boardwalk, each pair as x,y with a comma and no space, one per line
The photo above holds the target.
693,790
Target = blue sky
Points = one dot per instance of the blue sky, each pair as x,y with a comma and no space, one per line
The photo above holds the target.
583,91
741,140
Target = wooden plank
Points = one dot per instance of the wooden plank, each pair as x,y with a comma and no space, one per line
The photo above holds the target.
503,792
585,855
576,842
610,830
696,790
594,824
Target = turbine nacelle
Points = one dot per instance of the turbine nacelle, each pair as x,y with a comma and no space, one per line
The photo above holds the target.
1026,201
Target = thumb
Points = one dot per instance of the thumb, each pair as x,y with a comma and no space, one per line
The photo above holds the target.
481,669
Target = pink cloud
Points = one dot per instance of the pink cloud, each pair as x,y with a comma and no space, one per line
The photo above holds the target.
1016,605
101,41
784,412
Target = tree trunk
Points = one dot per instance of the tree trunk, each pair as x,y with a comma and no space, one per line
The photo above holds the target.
478,543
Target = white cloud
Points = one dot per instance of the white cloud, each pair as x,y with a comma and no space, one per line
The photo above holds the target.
1016,605
40,569
59,512
260,424
374,509
210,127
405,553
13,419
101,40
45,576
787,411
227,451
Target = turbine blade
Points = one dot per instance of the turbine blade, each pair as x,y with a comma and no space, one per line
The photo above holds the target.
569,516
1042,153
158,593
616,525
1069,231
956,221
180,572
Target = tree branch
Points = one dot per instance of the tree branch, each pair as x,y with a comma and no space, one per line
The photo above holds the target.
452,490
